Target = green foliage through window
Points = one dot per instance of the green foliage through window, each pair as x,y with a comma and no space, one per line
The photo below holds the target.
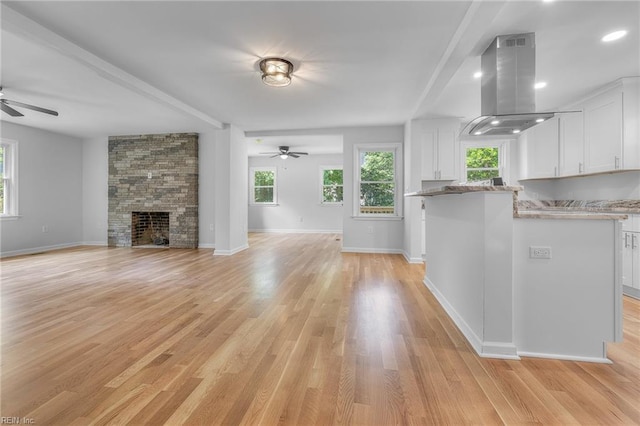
482,163
332,186
264,186
377,182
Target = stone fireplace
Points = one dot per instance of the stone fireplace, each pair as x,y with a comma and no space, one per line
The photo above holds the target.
151,176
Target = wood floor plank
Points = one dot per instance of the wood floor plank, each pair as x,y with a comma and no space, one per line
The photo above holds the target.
290,331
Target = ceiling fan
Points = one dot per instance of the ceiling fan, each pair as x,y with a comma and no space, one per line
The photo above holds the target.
6,104
284,153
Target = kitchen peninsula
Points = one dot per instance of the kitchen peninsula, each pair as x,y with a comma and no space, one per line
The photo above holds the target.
523,283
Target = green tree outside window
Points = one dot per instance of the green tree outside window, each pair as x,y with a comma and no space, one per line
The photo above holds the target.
482,163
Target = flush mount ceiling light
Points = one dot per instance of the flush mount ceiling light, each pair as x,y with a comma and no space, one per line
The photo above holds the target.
276,72
614,36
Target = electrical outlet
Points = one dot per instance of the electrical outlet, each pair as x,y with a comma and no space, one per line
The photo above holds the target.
536,252
369,229
45,228
149,175
211,227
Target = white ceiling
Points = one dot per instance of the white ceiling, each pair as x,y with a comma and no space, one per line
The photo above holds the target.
113,68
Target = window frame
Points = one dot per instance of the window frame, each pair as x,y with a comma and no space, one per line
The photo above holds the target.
322,185
252,186
10,178
396,149
503,155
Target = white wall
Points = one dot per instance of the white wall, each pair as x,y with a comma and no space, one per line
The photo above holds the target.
298,191
50,192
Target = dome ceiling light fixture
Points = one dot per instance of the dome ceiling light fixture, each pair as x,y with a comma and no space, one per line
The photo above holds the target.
276,72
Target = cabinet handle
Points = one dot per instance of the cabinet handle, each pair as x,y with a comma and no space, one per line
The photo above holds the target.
555,171
580,167
617,162
634,240
626,240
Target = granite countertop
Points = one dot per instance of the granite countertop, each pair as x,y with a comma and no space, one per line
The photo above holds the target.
560,214
462,189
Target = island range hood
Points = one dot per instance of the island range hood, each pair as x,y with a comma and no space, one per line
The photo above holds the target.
507,94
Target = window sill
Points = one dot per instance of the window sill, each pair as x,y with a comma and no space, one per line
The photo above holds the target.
377,217
264,204
331,205
9,217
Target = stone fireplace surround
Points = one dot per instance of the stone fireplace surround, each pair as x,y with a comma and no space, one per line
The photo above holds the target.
154,173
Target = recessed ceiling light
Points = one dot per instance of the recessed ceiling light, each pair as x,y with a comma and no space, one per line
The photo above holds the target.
516,131
495,122
540,85
547,1
477,74
614,35
478,133
539,120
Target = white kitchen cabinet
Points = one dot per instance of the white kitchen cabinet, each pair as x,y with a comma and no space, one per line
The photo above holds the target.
631,256
603,143
440,153
542,149
571,130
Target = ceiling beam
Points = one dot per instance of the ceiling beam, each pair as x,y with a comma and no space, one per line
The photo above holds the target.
25,28
471,31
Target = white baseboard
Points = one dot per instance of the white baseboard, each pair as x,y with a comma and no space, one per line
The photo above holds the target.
499,350
565,357
206,246
631,292
371,250
412,259
231,252
298,231
38,249
94,243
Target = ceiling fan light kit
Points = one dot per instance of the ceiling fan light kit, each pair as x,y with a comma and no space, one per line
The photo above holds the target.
284,153
276,72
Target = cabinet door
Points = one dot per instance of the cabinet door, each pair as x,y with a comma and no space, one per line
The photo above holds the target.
603,133
447,154
429,155
542,149
571,161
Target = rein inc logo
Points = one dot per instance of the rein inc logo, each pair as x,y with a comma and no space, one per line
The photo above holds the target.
16,420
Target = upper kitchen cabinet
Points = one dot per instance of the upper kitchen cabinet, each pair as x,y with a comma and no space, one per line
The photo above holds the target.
603,132
541,143
611,137
438,140
571,143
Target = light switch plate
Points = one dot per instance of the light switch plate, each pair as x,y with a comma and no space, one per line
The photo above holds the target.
539,252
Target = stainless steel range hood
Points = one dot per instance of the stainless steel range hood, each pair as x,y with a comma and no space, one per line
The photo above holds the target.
507,94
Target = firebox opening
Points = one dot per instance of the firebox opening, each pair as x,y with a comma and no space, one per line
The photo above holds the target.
150,229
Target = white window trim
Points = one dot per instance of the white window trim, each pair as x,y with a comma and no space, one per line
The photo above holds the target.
252,181
398,201
321,186
503,155
11,175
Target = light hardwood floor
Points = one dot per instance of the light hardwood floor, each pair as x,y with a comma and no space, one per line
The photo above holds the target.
291,331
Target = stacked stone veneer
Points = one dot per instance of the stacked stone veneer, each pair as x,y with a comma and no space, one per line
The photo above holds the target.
172,160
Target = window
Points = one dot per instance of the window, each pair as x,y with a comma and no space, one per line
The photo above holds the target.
263,185
377,170
483,161
331,185
8,173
